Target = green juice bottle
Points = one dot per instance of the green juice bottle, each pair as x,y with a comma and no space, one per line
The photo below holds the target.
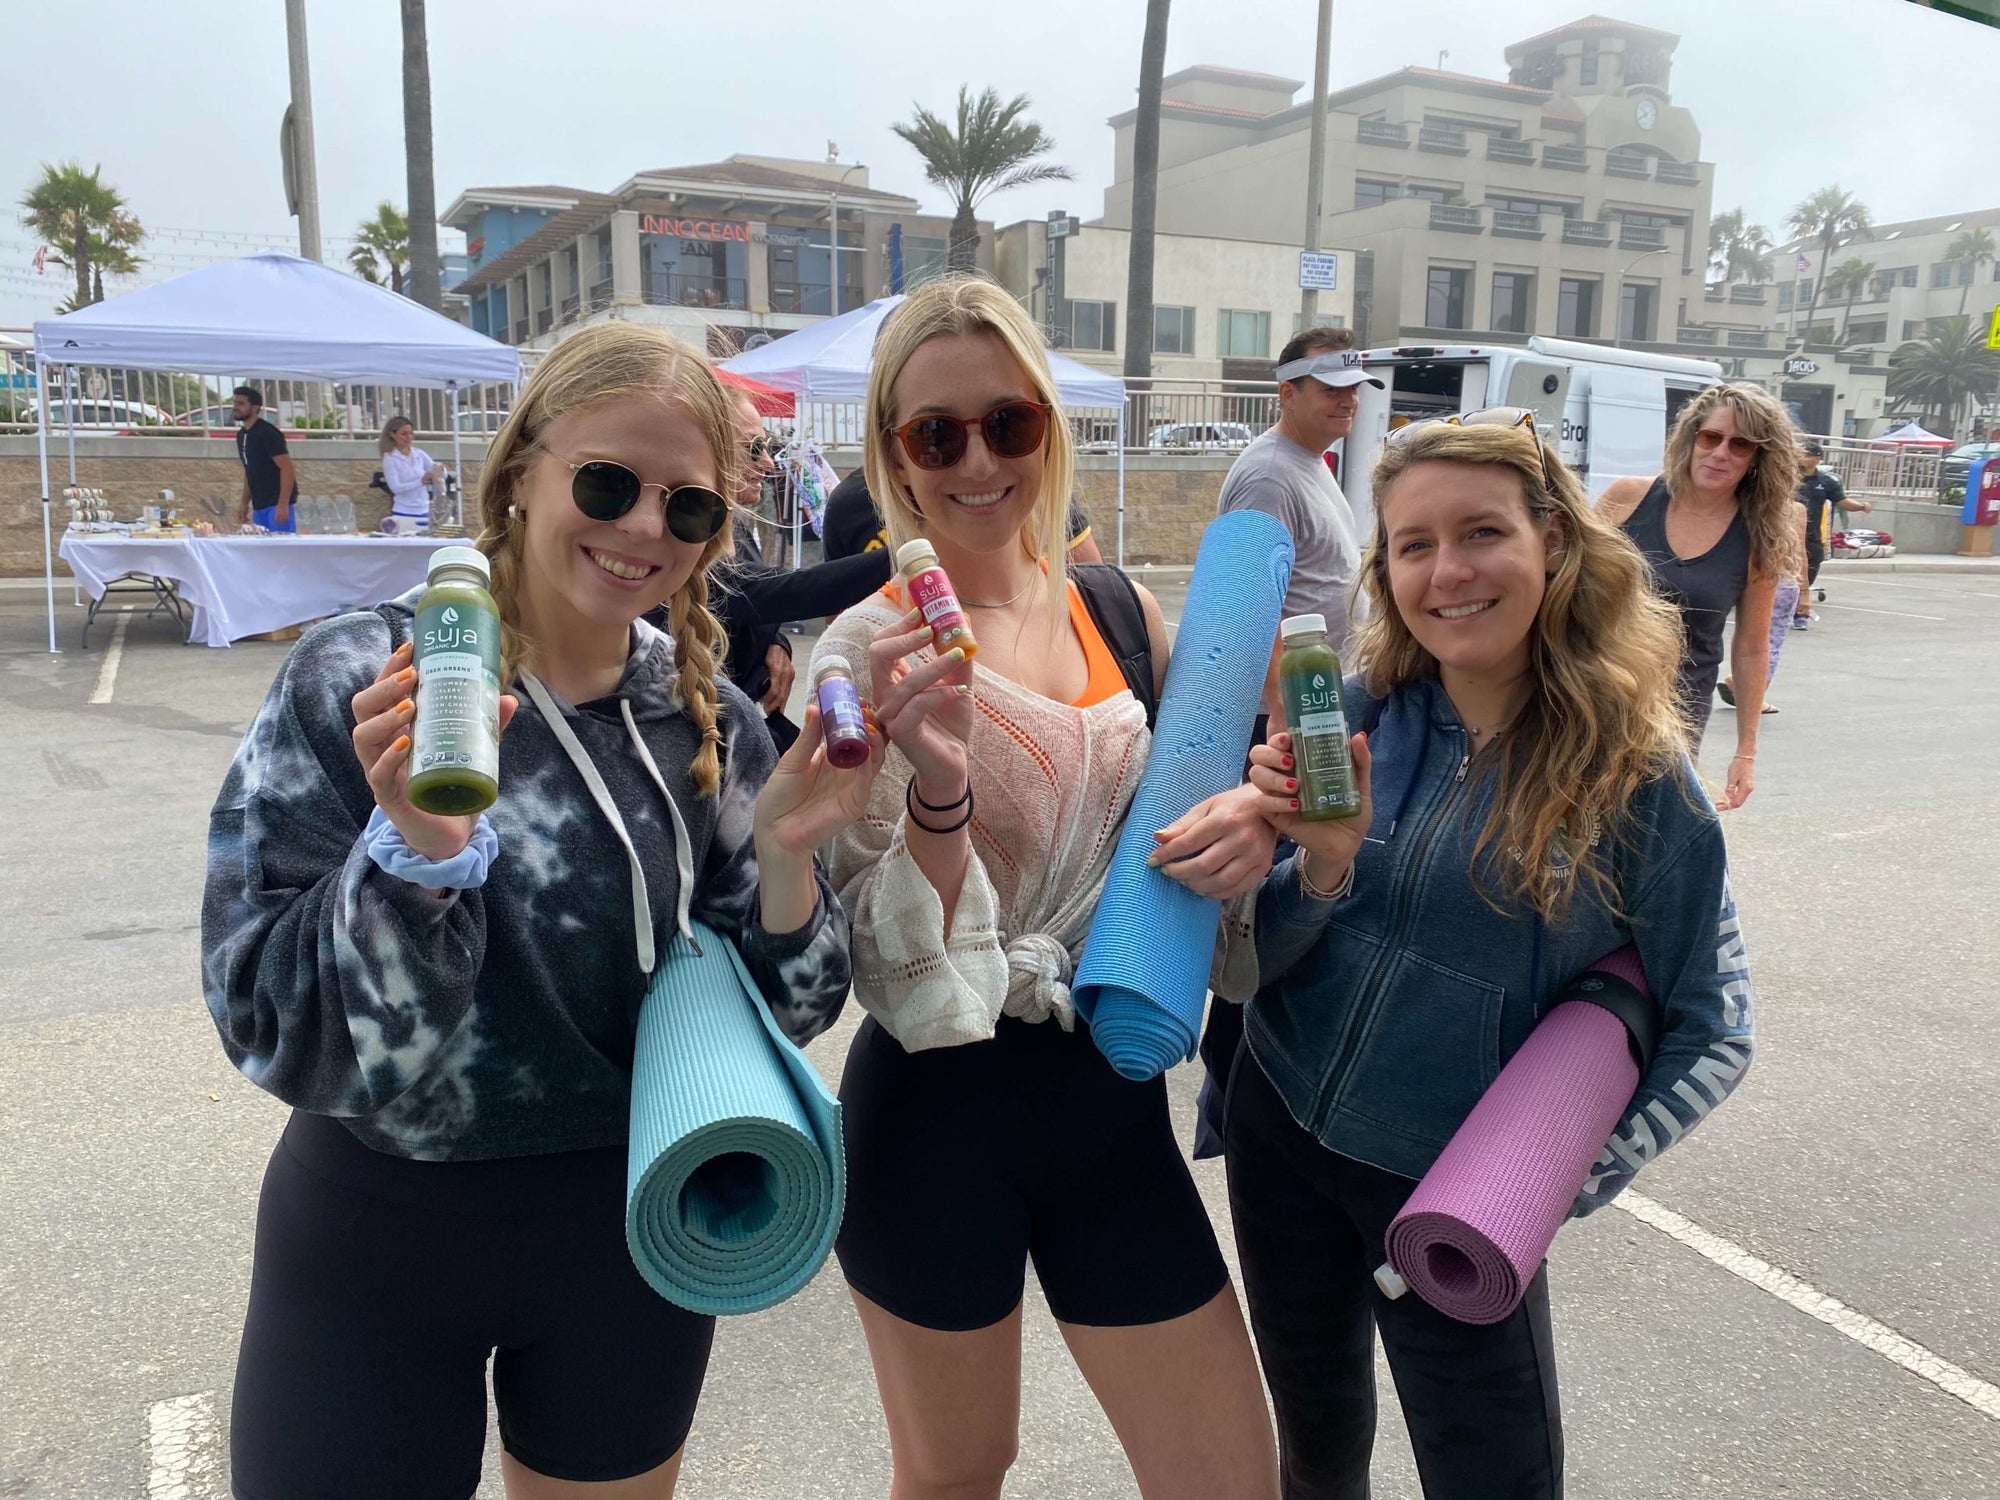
1309,677
455,746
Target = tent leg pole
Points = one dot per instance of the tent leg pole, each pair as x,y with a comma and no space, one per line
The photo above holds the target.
69,384
457,467
42,452
1121,487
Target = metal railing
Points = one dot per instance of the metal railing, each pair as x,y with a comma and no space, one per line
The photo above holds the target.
1498,148
1520,226
1687,335
1586,232
1444,142
1382,133
1620,165
1566,158
1687,173
1754,295
1463,218
732,293
1749,338
1641,237
1889,471
812,298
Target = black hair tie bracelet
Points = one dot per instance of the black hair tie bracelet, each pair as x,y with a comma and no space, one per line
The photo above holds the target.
911,802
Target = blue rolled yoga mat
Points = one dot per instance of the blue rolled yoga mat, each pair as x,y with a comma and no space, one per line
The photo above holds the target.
1145,966
736,1173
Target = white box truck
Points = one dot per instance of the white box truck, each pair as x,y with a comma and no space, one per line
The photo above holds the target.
1608,409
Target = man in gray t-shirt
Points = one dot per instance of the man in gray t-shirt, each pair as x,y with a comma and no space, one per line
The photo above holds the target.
1284,474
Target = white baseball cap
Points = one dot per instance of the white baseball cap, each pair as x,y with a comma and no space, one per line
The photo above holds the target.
1334,367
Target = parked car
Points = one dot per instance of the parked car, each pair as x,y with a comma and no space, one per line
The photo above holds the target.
1958,463
1222,437
220,421
482,421
106,415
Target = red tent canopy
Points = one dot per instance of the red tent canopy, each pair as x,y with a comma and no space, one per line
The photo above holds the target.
771,402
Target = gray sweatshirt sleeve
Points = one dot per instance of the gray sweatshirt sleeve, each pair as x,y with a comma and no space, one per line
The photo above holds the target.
804,975
333,985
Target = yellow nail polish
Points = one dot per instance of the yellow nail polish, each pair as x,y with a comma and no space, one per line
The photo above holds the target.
956,653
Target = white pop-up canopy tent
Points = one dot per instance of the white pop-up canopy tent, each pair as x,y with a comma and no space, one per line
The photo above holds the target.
830,362
271,315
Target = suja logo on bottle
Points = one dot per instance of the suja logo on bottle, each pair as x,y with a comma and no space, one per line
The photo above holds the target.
1321,697
448,639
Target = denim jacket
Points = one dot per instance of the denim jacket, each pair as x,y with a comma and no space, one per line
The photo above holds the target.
1386,1014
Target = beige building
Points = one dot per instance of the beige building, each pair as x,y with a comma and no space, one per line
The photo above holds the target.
1222,307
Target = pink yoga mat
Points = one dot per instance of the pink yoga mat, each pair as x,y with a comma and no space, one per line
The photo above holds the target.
1474,1232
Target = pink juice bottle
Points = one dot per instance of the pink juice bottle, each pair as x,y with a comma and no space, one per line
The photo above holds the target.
930,590
841,718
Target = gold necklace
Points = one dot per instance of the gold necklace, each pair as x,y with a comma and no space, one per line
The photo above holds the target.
1004,603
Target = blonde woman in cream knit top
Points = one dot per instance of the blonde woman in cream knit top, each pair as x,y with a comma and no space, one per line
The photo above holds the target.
984,1128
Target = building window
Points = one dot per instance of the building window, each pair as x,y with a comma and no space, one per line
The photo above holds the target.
1093,325
1941,273
1513,302
1510,205
1636,303
1587,69
1368,193
1173,330
1243,335
923,260
1444,297
1784,296
1430,194
1912,328
1576,308
1334,320
1876,332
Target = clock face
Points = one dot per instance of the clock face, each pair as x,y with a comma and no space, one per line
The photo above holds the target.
1649,112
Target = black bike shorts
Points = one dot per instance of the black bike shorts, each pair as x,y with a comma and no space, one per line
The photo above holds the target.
966,1162
379,1288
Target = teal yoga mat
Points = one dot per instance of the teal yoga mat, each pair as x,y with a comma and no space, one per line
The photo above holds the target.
736,1173
1144,974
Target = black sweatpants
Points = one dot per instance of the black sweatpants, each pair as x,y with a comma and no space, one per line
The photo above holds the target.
1480,1402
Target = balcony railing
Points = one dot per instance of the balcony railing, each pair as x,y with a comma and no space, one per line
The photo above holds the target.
696,291
1686,173
1456,216
1444,142
812,298
1518,226
1566,158
571,305
1714,294
600,293
1687,335
1499,149
1382,133
520,330
1752,295
1586,232
1617,165
545,319
1641,237
1749,338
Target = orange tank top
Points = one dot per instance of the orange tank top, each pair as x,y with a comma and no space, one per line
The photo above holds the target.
1105,680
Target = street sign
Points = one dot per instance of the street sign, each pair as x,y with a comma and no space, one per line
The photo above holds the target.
1799,365
1319,271
1993,333
1062,229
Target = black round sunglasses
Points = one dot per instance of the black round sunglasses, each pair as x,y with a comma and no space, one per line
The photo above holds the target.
604,491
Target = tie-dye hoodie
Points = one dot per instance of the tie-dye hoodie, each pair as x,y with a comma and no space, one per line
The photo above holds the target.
497,1021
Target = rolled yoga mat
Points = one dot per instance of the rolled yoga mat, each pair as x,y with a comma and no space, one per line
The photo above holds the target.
1145,968
1473,1234
736,1173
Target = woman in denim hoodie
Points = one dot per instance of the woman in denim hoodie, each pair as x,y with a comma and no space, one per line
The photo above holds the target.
1533,807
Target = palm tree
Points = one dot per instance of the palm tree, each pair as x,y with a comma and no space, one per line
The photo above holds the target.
1145,193
382,243
1974,247
1738,251
423,229
992,149
87,225
1939,373
1849,279
1830,217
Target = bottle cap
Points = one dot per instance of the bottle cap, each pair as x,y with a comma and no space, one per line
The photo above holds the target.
913,550
829,664
1302,625
462,557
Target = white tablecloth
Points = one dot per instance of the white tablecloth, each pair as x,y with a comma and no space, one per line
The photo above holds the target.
247,585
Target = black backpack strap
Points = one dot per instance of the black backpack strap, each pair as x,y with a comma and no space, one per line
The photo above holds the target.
1115,610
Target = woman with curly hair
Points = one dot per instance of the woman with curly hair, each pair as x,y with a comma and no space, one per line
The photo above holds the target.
1528,806
1719,531
449,1003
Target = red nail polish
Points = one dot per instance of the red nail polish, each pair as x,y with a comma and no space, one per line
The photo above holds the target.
1291,785
1288,763
1295,802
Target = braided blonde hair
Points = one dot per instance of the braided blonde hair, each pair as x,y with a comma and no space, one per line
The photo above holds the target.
611,362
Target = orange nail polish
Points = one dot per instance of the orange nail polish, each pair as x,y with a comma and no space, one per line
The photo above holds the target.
407,675
402,744
406,706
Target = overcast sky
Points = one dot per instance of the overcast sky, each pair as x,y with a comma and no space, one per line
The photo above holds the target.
182,107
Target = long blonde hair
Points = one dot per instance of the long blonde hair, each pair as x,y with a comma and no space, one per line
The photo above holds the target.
1768,491
610,362
1600,720
390,428
968,305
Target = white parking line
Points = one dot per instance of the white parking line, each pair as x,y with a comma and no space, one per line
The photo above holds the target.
107,675
1918,588
1864,1330
183,1449
1856,609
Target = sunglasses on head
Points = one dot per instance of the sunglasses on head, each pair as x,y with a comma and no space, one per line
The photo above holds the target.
1013,429
604,491
1500,416
1707,439
757,447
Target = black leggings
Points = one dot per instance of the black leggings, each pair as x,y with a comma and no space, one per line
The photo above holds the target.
1480,1402
380,1288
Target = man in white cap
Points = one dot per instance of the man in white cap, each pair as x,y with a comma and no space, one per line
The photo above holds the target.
1284,474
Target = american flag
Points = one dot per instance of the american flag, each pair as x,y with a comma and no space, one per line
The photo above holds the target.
1804,264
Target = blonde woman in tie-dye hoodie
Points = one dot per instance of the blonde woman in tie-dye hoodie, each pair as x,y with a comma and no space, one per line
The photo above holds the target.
449,1003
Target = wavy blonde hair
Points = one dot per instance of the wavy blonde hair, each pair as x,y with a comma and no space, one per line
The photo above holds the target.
971,305
1768,491
1600,720
611,362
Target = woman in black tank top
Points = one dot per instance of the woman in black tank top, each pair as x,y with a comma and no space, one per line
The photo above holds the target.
1714,530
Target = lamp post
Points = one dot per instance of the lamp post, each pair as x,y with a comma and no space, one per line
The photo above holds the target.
833,227
1617,331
